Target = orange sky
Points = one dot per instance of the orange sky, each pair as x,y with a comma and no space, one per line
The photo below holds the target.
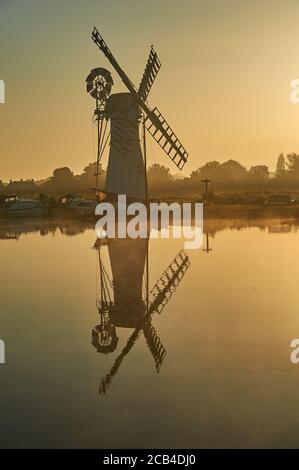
224,84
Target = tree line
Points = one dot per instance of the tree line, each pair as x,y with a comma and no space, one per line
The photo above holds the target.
227,176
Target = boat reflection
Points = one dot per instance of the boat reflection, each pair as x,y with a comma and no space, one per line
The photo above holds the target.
126,301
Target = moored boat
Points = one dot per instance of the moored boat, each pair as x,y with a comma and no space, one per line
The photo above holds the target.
14,207
76,206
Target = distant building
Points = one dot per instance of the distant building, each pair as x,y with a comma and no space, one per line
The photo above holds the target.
21,186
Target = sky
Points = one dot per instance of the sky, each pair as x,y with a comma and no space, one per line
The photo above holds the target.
224,85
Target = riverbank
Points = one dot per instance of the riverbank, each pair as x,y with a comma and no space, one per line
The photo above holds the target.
255,211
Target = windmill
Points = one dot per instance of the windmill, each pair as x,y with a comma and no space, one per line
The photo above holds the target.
126,171
120,305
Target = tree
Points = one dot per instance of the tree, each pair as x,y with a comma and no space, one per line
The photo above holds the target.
87,179
292,163
159,175
281,165
209,170
260,172
62,180
63,173
233,170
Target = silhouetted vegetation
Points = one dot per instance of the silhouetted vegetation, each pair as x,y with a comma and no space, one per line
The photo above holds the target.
231,181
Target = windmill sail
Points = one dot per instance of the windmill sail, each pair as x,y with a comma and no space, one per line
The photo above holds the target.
151,71
154,344
158,124
161,131
162,291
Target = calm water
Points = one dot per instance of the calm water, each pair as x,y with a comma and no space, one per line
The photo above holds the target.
221,342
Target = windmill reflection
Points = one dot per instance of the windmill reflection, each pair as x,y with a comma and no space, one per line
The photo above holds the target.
126,301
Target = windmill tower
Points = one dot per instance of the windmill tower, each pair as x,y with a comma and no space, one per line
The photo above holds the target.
126,171
132,307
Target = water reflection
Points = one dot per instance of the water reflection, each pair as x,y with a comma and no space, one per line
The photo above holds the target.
14,229
126,301
207,248
226,381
